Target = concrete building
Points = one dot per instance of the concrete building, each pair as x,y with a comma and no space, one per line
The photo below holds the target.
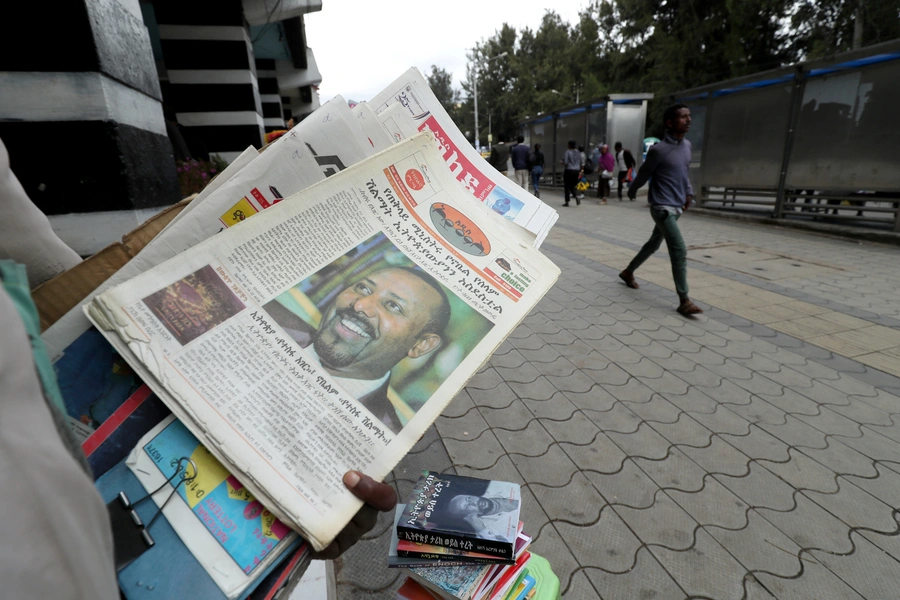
98,98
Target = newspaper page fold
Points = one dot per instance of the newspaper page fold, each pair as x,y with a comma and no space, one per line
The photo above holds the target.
328,332
374,133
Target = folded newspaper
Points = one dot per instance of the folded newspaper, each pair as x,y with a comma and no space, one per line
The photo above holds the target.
329,331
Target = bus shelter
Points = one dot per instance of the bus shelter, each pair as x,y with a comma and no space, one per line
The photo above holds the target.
615,118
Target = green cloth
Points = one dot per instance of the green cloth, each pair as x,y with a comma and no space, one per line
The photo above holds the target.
15,282
666,229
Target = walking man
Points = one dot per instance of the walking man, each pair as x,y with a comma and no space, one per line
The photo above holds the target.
519,154
668,163
573,170
624,162
499,157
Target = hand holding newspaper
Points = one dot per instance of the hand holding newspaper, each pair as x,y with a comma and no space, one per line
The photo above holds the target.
328,332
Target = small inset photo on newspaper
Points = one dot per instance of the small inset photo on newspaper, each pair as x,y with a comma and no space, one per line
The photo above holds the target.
384,329
194,305
504,204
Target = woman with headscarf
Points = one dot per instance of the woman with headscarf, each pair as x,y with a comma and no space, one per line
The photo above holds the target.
607,164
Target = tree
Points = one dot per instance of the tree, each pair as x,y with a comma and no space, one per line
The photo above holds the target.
663,46
441,83
519,84
497,105
824,27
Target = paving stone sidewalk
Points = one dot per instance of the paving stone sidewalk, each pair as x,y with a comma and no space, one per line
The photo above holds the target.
751,452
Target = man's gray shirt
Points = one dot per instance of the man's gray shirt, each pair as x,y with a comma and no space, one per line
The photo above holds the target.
573,160
668,167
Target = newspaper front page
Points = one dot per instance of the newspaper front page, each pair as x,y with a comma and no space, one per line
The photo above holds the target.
415,108
327,333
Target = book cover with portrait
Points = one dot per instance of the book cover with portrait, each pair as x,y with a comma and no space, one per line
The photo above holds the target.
463,513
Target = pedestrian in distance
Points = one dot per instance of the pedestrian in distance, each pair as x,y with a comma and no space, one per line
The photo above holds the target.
537,168
668,163
499,157
520,153
573,169
606,165
586,170
624,163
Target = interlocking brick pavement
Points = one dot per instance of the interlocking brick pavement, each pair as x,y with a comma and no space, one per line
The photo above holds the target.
752,452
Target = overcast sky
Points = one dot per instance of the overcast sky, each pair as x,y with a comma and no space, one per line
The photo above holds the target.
362,45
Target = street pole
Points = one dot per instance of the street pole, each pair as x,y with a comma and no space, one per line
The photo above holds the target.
475,90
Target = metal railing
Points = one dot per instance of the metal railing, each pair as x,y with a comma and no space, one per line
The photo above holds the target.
865,209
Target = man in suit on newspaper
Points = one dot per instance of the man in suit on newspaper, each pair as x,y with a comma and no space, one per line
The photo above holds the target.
373,323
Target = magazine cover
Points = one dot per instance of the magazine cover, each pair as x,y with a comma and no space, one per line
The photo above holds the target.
239,523
114,440
463,513
452,582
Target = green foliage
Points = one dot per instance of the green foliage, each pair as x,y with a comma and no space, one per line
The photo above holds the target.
824,27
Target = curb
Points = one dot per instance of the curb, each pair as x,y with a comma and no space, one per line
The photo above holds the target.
842,231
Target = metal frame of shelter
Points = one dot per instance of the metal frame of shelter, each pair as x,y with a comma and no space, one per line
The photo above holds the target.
614,118
813,140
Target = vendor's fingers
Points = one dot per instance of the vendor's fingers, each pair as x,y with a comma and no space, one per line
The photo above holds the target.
362,523
379,495
343,542
366,518
330,552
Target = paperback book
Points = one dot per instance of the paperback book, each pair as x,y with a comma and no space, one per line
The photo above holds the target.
463,514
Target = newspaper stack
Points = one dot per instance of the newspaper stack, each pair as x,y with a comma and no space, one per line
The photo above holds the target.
320,303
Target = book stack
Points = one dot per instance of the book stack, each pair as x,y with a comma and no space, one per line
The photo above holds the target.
461,539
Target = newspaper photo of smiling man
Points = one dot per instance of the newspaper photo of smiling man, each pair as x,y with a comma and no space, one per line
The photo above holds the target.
386,331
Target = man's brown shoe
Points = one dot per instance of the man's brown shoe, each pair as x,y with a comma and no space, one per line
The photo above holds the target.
628,278
688,308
